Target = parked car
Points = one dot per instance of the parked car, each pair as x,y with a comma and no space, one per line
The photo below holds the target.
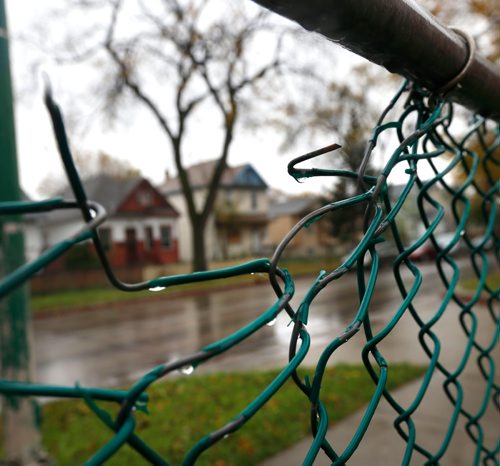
386,251
429,252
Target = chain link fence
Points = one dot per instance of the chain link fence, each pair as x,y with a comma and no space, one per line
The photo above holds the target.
449,164
446,161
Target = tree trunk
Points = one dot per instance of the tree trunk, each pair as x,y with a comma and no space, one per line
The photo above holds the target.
199,261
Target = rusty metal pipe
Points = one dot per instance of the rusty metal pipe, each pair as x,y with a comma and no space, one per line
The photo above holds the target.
403,38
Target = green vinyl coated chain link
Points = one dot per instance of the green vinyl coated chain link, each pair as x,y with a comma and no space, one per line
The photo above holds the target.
420,137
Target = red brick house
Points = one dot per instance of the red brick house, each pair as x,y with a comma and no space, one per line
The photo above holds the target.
141,228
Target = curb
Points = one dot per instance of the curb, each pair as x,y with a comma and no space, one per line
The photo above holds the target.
48,314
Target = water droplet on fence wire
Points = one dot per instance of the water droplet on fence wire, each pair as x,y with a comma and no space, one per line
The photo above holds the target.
157,288
187,370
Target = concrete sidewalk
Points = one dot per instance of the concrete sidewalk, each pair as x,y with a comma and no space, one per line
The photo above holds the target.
382,446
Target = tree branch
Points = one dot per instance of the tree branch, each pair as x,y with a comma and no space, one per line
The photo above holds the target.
125,75
175,139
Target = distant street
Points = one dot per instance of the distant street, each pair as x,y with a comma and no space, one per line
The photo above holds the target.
116,346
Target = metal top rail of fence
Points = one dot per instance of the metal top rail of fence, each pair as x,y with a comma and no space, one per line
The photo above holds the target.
417,125
405,39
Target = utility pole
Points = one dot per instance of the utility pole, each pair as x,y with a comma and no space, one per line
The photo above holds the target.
21,434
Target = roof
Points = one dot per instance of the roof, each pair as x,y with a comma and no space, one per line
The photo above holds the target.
242,176
108,191
25,196
31,217
293,206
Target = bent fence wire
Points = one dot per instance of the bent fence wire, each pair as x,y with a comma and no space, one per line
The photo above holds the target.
426,146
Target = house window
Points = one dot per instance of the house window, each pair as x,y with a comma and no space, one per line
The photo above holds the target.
45,239
145,198
166,236
229,197
106,238
148,238
254,199
233,236
131,250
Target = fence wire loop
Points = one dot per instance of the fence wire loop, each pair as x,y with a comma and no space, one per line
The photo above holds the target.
471,52
421,123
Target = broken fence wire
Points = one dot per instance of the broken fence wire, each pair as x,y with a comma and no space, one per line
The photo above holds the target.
422,127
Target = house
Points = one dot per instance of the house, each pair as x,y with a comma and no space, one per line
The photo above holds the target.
313,241
237,227
34,241
141,227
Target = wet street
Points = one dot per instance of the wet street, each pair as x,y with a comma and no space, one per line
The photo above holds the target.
117,346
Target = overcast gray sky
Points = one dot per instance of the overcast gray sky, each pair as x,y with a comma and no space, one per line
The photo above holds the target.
140,142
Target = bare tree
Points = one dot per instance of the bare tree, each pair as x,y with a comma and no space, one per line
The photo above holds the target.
337,111
179,59
89,165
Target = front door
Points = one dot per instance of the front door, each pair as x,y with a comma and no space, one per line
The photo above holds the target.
131,246
256,241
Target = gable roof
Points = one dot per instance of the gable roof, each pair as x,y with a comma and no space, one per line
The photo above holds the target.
293,206
111,192
241,176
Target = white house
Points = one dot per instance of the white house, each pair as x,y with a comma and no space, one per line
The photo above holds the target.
237,227
141,227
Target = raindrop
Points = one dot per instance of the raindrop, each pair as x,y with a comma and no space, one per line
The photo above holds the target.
157,288
187,370
271,322
225,436
252,273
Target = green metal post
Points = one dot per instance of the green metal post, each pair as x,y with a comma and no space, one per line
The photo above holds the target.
21,435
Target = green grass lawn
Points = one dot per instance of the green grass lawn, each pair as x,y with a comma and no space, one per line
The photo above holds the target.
186,408
493,282
71,299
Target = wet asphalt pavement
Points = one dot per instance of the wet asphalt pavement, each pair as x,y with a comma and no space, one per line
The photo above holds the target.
118,345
